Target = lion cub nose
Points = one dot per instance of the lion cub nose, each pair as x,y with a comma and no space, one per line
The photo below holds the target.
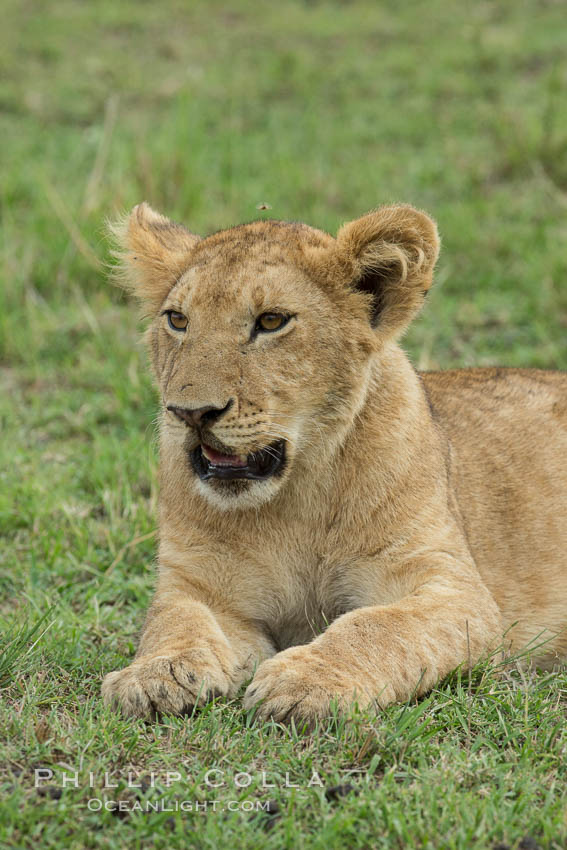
200,415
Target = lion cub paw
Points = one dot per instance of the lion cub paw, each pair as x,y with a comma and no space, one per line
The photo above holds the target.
166,684
300,684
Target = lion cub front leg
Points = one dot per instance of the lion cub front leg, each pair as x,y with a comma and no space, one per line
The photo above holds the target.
188,653
381,654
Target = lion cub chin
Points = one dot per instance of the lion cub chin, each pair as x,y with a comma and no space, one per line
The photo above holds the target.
334,526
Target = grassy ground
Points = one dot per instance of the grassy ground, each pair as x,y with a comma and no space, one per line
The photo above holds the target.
323,110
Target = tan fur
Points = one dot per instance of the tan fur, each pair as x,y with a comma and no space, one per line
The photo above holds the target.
418,519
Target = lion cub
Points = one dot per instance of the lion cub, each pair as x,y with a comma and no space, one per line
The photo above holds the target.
332,523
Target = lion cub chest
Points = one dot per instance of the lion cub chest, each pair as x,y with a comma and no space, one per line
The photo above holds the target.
299,600
301,624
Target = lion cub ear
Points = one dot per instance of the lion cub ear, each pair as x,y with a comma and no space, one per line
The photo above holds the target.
393,251
152,253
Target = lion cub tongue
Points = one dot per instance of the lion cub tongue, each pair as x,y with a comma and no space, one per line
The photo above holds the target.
222,460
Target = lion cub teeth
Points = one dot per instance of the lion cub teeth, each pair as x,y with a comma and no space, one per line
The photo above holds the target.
219,459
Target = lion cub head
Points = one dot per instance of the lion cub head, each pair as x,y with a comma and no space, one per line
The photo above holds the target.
262,336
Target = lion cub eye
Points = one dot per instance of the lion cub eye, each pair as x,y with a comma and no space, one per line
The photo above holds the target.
176,321
269,322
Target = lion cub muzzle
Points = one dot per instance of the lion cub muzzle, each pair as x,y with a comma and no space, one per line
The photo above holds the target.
211,459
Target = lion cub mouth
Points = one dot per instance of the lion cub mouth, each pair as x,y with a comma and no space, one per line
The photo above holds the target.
257,466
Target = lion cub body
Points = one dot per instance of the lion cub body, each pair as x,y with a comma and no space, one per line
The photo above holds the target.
507,464
333,524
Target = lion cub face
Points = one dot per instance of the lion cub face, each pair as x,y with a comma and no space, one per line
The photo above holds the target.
262,336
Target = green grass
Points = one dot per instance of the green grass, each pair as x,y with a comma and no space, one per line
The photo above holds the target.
323,110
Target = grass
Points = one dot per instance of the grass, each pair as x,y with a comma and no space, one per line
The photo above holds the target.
322,110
